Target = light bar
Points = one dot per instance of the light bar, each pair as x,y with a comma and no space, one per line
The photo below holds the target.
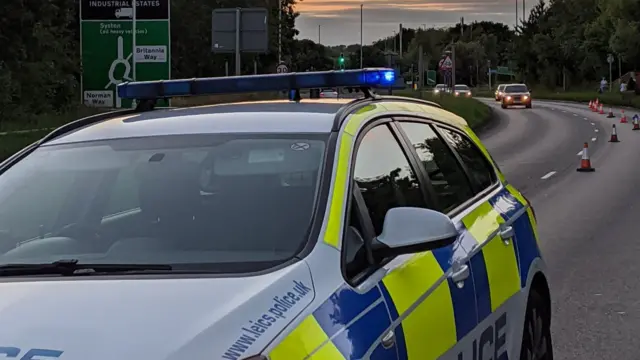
149,90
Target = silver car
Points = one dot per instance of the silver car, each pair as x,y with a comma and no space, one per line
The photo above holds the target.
441,88
462,90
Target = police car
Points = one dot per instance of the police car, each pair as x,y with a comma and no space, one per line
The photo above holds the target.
374,228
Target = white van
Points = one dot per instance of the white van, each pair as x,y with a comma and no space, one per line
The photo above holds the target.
124,12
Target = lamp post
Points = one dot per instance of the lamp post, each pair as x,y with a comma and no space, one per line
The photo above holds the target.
361,36
279,31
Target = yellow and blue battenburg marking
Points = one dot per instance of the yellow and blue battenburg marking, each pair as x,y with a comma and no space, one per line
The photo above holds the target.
348,324
510,203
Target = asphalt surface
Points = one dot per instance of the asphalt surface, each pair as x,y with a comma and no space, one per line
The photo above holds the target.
589,223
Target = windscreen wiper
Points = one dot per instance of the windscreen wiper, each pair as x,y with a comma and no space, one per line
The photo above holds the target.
73,268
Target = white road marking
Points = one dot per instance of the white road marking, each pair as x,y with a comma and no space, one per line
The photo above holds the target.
594,139
593,124
596,130
548,175
586,119
580,153
575,114
564,111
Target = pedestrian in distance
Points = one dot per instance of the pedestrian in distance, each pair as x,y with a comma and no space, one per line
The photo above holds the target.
603,85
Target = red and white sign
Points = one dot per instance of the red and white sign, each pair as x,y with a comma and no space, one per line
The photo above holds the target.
445,63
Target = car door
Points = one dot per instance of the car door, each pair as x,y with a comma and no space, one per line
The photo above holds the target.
430,295
371,194
451,190
489,229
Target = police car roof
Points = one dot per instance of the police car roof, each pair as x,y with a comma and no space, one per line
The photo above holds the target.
275,116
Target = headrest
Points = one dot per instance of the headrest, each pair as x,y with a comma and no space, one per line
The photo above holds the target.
169,189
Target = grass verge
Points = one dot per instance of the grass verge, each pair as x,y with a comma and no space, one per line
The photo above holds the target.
13,142
608,98
477,113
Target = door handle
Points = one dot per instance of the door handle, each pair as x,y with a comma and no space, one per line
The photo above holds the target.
388,340
460,275
506,234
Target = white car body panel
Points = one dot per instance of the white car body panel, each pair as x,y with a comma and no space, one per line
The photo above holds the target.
169,319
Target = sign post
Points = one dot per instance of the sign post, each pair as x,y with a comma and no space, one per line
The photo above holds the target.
446,66
489,73
111,54
610,61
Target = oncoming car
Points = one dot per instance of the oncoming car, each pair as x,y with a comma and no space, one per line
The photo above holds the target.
280,230
328,93
462,90
516,94
441,88
499,92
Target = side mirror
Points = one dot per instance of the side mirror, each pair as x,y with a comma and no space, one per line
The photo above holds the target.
408,230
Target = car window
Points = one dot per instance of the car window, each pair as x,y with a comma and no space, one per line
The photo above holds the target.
203,201
461,87
447,177
30,210
384,175
479,168
516,89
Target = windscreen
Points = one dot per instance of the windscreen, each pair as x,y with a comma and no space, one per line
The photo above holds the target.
516,89
461,87
202,201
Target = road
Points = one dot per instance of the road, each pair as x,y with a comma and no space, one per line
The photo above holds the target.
589,223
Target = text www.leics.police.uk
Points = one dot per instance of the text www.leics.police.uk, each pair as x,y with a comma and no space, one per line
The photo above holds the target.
251,332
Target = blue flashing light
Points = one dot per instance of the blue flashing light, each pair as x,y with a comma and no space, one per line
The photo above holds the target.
149,90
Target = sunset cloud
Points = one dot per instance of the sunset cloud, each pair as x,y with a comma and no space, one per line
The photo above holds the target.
339,20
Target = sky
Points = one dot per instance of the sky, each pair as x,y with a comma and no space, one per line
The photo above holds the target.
339,20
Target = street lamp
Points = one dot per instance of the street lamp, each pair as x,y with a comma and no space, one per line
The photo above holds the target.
361,36
279,31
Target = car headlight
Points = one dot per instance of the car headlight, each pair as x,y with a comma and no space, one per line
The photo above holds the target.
525,97
468,94
508,98
457,93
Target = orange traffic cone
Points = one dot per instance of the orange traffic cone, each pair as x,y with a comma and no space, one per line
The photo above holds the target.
636,122
601,109
614,135
623,119
590,104
595,107
610,113
585,163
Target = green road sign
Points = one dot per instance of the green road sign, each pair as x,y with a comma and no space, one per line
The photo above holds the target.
431,77
107,45
503,70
